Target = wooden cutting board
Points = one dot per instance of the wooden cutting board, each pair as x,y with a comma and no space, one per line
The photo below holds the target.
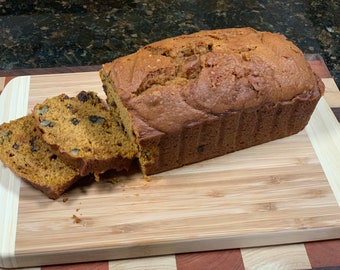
286,191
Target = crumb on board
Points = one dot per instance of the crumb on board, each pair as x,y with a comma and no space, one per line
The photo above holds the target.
113,180
76,219
147,178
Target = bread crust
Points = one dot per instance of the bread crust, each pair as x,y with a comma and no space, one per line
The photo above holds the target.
194,97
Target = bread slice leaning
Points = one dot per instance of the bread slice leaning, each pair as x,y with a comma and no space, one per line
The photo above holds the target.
28,156
82,131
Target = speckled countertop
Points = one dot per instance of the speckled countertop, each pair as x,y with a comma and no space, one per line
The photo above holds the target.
39,34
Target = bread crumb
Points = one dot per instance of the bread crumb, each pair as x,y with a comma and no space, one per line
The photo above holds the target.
76,219
65,199
114,180
147,178
96,177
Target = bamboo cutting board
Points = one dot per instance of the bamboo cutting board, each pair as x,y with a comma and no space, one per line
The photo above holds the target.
286,191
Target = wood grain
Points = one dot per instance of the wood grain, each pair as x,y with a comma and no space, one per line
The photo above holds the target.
324,253
211,260
279,257
152,263
270,194
326,144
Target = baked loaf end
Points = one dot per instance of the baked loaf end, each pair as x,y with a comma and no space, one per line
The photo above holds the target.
23,151
198,96
82,131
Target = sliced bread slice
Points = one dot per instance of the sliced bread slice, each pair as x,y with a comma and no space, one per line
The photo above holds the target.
82,131
28,156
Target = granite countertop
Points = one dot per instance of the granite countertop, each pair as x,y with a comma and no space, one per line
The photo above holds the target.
41,34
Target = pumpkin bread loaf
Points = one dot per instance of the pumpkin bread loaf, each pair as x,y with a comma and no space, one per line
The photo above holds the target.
82,131
29,157
193,97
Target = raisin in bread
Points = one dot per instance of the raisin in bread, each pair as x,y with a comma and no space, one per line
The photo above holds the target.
81,130
193,97
23,151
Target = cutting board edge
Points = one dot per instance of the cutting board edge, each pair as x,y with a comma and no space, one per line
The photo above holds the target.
172,248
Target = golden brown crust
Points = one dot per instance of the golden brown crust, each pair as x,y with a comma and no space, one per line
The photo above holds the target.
180,92
210,72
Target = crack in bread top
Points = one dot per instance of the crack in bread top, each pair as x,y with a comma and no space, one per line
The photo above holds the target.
181,80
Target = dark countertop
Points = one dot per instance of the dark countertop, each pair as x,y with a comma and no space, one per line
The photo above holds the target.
41,34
